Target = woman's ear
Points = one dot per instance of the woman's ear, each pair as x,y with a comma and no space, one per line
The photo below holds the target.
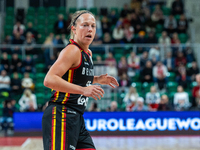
73,28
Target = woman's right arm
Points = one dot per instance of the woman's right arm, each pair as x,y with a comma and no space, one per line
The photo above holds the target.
69,57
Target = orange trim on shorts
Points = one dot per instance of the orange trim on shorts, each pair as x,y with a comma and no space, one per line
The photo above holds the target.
63,129
53,129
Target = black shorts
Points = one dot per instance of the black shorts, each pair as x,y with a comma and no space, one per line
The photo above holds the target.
64,129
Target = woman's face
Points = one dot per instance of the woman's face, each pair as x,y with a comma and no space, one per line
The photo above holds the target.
85,29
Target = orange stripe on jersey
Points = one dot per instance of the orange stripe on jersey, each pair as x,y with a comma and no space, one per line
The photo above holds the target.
56,94
70,79
63,128
53,129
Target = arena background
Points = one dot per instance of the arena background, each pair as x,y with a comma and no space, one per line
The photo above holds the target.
117,129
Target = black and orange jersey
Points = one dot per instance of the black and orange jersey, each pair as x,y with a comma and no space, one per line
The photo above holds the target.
81,75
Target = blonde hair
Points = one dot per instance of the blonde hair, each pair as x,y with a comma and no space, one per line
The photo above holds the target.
75,17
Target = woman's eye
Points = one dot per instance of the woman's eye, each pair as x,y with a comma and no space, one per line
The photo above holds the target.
84,25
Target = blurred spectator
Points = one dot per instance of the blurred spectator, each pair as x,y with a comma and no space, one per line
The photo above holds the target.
157,16
29,44
175,38
97,40
16,84
140,105
60,26
170,24
143,59
125,10
126,20
98,27
169,62
177,7
122,66
147,73
145,4
7,39
196,93
46,47
189,54
135,22
18,28
181,100
113,107
16,63
124,82
130,98
182,24
193,71
105,24
113,17
62,41
112,69
107,38
27,82
99,66
110,58
28,65
4,82
151,38
180,59
164,104
32,30
159,74
154,52
153,99
141,38
135,4
50,62
94,107
181,75
28,101
133,61
128,33
7,119
164,39
17,40
5,63
118,34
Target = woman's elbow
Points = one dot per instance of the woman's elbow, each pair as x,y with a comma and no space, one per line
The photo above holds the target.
46,82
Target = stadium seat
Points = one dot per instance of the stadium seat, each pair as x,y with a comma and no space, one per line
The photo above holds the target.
177,17
41,39
8,29
41,11
9,20
183,37
193,84
171,76
10,11
159,28
41,29
172,86
118,57
137,85
51,10
40,67
30,18
31,11
135,78
52,19
146,86
40,98
116,10
72,10
118,50
94,10
166,11
39,87
40,77
50,28
41,20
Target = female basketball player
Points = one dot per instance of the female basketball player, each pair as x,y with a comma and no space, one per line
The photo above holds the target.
70,79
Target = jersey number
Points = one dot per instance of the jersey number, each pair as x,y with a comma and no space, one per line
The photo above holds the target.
82,100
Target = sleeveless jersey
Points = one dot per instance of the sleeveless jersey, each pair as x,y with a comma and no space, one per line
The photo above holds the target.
81,75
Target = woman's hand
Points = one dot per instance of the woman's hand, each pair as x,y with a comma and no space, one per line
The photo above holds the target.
93,91
107,80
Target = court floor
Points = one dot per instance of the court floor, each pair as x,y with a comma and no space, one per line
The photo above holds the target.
112,143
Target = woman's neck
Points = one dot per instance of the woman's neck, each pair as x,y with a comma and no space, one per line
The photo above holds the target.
83,46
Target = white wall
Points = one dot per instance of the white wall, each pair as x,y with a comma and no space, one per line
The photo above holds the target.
21,4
